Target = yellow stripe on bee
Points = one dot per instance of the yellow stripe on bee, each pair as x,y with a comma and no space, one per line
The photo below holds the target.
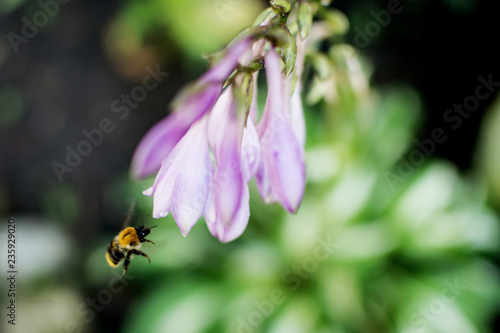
110,262
128,236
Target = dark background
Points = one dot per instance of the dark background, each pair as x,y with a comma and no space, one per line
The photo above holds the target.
440,49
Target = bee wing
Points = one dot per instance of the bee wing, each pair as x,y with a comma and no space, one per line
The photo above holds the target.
129,214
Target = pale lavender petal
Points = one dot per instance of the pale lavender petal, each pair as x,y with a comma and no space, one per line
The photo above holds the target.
156,145
196,105
275,94
250,151
264,184
258,48
261,176
217,121
297,118
210,219
225,136
246,58
182,184
275,89
209,212
229,232
162,138
295,111
284,162
220,71
283,156
228,181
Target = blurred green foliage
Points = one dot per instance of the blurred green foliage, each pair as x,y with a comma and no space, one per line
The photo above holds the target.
191,28
488,157
7,6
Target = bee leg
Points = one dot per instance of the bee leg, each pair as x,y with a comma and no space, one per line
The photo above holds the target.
140,253
149,241
126,263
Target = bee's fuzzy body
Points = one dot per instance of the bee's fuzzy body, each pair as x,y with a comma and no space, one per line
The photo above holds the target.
125,244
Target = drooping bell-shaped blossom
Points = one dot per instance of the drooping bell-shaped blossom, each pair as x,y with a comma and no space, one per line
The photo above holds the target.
281,175
195,101
237,153
190,183
183,182
225,136
227,232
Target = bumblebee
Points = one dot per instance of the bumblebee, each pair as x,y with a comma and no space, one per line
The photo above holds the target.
126,244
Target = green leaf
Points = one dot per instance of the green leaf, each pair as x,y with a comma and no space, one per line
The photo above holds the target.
488,155
254,32
293,27
243,91
337,21
278,36
263,16
322,65
283,6
289,52
305,19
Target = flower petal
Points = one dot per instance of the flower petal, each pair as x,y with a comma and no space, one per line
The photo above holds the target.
229,232
217,121
162,138
220,71
209,212
198,99
156,145
228,182
182,184
295,113
284,162
264,184
261,176
250,151
225,134
283,155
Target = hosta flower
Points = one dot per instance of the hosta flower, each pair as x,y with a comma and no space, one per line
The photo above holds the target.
209,148
201,97
281,175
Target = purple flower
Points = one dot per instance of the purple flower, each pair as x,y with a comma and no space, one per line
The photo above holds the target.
201,97
191,182
281,175
225,137
183,182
